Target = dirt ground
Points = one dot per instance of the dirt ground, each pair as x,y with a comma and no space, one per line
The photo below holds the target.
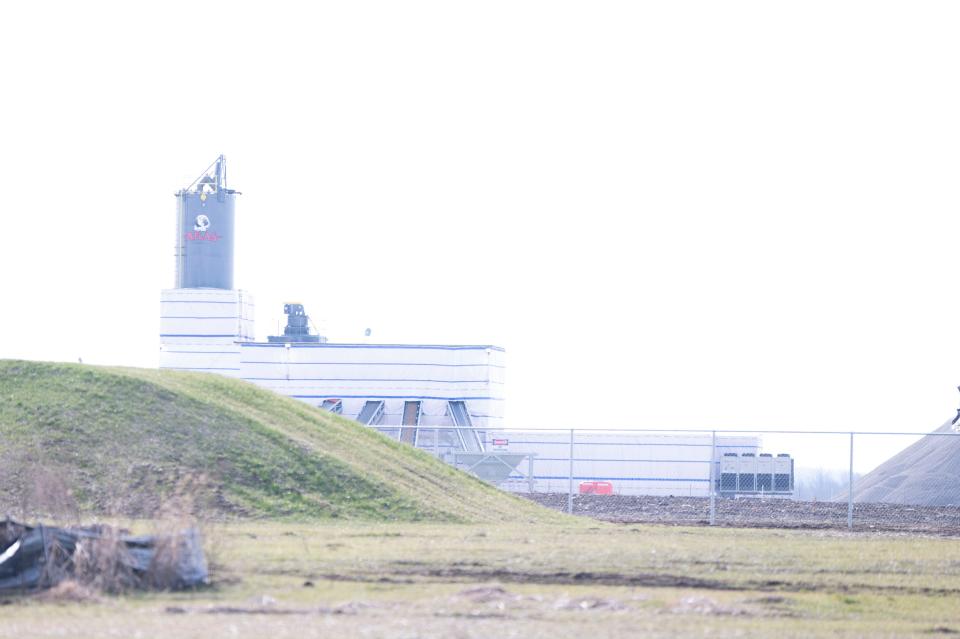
759,513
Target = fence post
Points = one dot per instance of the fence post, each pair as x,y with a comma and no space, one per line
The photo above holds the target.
570,478
713,484
850,488
530,473
436,442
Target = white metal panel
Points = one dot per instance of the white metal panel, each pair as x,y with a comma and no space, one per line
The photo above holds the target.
395,373
205,315
390,354
222,359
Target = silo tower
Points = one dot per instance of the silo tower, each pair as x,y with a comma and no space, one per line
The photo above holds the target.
203,319
205,223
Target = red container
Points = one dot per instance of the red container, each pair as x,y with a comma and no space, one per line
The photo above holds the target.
596,488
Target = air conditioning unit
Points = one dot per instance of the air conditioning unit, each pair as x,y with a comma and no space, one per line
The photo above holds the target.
747,474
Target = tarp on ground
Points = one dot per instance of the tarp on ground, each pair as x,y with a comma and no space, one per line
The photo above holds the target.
40,556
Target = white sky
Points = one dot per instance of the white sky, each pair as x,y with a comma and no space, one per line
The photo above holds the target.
671,214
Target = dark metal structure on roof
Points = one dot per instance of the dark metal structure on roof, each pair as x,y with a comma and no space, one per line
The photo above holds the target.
297,329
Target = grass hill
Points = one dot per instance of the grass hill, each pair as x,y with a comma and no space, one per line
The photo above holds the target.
122,440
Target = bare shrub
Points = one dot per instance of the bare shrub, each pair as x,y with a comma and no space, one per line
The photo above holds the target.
46,493
176,531
107,558
104,562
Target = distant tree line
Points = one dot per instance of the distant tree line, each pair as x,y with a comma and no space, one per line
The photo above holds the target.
821,484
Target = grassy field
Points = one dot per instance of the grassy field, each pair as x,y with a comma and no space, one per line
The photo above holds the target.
120,441
554,580
318,527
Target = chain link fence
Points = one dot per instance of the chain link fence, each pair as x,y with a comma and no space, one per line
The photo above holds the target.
786,479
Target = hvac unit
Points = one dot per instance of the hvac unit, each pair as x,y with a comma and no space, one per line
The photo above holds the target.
783,473
747,473
765,473
729,467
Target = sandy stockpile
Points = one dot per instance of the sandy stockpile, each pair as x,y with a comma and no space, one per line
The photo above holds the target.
926,473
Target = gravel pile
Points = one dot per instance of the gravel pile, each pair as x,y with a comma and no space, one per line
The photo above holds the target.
758,513
927,472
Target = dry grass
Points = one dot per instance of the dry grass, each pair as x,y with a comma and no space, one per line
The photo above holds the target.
45,493
70,591
298,580
105,564
104,558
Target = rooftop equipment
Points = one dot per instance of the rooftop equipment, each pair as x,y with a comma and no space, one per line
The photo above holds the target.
297,329
205,223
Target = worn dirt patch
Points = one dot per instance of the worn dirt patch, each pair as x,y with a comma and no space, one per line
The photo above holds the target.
705,606
555,578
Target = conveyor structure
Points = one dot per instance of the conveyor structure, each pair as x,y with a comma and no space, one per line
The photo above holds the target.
333,405
461,418
411,419
371,412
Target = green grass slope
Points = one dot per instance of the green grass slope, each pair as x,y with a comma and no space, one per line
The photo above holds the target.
123,440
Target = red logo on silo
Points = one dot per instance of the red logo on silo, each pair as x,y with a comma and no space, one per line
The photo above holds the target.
195,235
200,230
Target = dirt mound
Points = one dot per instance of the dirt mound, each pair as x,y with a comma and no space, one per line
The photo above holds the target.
123,441
926,473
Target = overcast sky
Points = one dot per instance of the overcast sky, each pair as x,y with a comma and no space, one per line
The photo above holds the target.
671,214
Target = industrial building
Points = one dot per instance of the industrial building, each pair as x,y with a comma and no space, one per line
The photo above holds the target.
634,463
206,325
446,399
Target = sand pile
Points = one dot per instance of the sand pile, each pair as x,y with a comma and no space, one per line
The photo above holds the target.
926,473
